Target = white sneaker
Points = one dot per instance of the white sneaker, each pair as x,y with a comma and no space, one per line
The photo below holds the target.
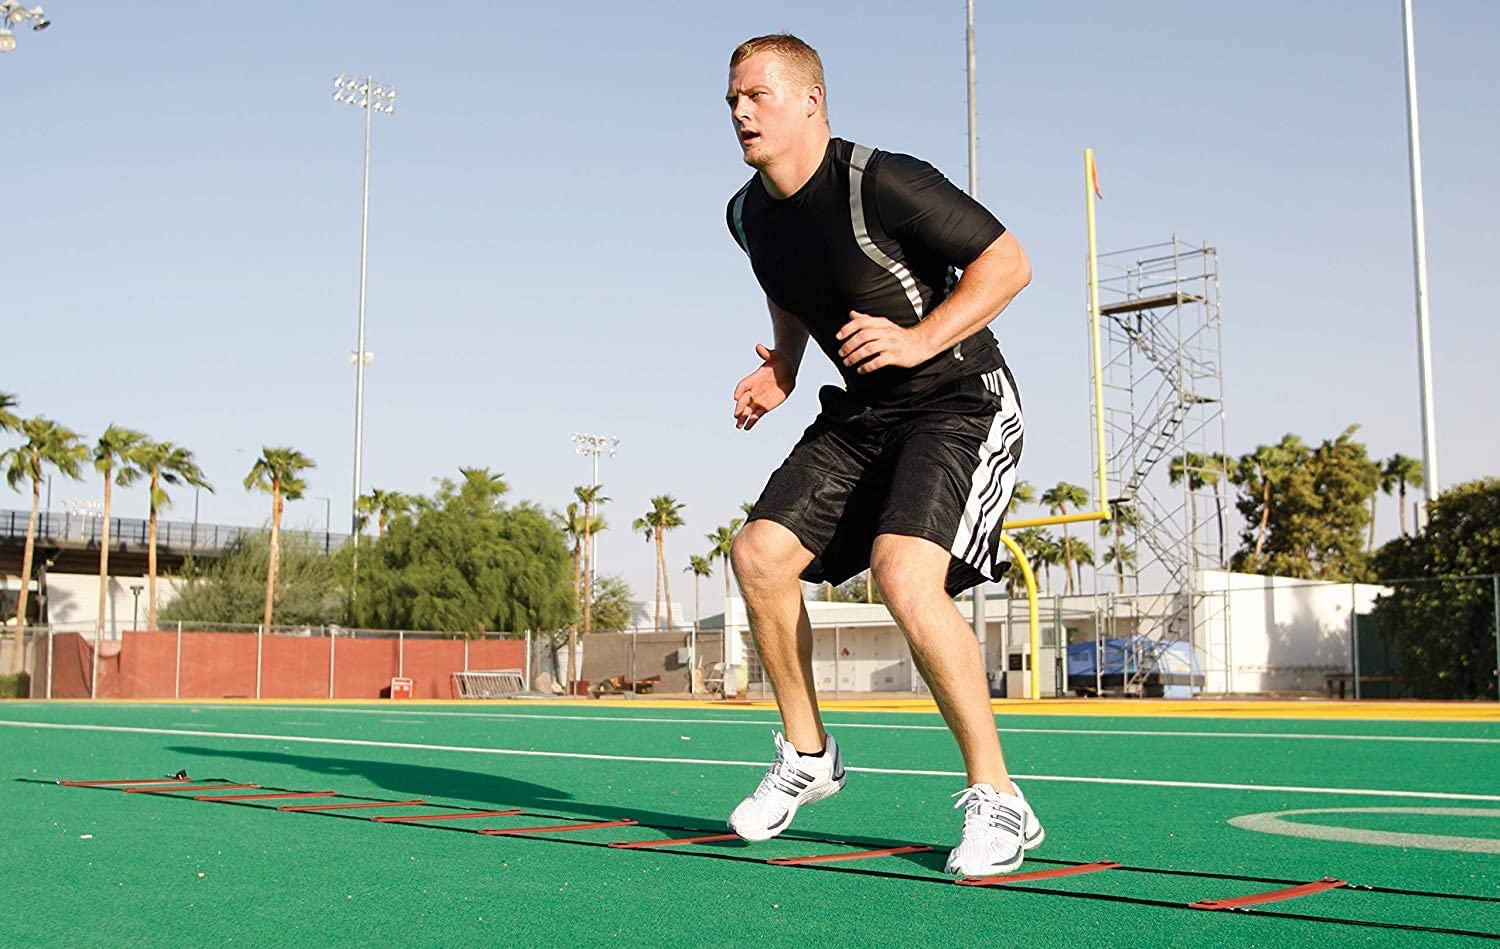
998,830
792,781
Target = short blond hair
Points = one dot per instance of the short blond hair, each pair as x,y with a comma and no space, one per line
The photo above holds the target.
803,61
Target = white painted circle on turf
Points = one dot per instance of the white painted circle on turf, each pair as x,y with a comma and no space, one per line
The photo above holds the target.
1273,822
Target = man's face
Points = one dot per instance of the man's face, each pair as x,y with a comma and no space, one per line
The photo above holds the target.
770,109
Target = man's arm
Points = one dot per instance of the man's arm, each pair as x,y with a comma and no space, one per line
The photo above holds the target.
768,386
986,288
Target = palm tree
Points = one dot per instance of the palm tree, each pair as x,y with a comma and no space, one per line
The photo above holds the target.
1406,471
1385,483
721,543
1023,493
112,459
591,497
1032,541
699,567
648,531
9,421
1049,553
484,483
163,463
1190,467
384,506
1260,472
665,514
277,472
1121,556
47,444
1057,498
1119,553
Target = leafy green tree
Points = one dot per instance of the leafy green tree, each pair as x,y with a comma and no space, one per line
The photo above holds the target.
277,472
1443,631
1407,472
163,464
231,588
614,606
112,459
1319,513
1057,498
47,445
699,567
464,562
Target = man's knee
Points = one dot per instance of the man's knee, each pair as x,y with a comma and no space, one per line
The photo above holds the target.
909,573
766,554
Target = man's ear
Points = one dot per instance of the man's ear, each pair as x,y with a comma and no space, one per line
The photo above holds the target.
814,100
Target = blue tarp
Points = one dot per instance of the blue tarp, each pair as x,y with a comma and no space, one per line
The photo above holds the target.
1134,654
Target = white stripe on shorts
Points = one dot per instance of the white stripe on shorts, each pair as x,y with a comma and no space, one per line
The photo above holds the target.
993,481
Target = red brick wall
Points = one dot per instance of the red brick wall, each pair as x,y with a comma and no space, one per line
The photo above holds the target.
222,665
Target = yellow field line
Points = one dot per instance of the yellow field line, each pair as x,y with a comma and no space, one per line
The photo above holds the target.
1310,709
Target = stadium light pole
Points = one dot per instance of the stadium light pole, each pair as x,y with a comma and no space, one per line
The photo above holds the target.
976,595
589,444
14,14
369,96
1431,486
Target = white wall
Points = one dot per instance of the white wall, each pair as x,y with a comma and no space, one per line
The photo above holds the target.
73,601
1285,634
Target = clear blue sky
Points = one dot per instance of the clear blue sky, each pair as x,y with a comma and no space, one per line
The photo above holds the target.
548,252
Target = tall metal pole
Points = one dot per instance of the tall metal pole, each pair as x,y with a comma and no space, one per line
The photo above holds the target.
359,351
369,96
973,114
1431,486
977,594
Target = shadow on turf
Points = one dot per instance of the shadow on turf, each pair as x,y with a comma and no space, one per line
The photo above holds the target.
494,790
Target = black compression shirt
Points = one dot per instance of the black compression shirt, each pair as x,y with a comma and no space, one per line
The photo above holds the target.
872,231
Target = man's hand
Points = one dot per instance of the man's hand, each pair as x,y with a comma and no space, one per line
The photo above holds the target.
874,342
764,389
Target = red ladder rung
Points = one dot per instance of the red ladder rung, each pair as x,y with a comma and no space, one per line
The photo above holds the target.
468,815
339,807
1039,874
188,787
263,797
555,828
840,857
672,841
1271,896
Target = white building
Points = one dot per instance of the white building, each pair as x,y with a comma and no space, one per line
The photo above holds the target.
1259,634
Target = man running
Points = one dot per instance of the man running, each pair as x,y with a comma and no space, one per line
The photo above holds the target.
908,469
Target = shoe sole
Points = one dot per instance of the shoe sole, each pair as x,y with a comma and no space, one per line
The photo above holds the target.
791,813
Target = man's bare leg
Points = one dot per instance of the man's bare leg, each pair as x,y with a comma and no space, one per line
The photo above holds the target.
768,563
910,572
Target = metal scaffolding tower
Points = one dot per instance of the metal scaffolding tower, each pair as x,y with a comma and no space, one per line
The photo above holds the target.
1163,385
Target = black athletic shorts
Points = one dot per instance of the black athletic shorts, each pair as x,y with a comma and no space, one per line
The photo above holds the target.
942,468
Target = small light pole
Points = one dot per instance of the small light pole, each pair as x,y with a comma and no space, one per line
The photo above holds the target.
135,615
14,14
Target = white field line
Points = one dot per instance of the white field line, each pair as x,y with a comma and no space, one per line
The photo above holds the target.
713,762
771,723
